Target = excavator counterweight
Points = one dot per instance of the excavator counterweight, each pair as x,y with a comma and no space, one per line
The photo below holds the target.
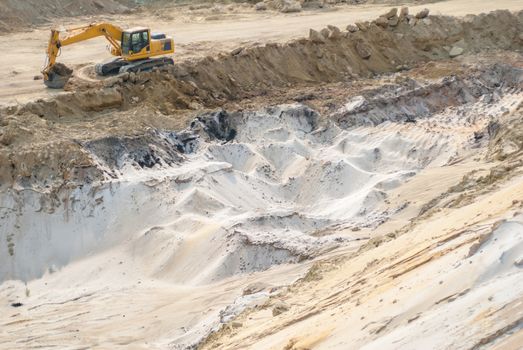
136,50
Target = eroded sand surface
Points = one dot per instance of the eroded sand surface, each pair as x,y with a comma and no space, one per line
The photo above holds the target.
290,196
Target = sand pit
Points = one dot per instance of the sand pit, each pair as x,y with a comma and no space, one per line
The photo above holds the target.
275,197
246,196
245,201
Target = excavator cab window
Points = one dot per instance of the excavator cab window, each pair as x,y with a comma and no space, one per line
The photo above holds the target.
135,41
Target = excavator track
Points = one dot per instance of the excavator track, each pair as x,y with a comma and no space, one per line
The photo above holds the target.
146,65
120,66
110,67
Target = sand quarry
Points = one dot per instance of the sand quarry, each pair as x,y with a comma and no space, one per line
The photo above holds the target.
355,182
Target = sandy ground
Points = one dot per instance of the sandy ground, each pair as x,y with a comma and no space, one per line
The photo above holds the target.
195,37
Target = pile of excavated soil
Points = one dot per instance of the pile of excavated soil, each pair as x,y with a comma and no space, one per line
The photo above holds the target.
168,97
332,55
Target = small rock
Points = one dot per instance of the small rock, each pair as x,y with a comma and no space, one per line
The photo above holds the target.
355,105
423,13
316,37
335,32
404,12
412,20
236,324
111,81
519,262
427,21
37,77
135,99
351,28
478,135
279,308
325,32
363,50
254,288
521,37
382,22
260,6
394,21
291,6
456,51
236,51
98,5
363,26
124,76
392,12
474,249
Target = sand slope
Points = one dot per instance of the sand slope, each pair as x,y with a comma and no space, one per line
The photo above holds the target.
162,255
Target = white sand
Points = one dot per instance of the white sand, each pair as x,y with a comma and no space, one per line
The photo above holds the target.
158,256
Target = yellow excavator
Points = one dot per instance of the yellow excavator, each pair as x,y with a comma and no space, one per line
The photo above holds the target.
134,49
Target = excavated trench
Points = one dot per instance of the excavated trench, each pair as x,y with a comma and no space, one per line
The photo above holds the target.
238,192
254,189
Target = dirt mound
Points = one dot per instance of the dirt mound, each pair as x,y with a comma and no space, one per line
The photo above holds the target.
332,55
329,56
23,15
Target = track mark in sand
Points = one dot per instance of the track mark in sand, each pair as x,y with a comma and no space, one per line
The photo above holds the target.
310,312
491,338
307,342
435,246
432,257
452,297
63,302
12,323
380,325
383,326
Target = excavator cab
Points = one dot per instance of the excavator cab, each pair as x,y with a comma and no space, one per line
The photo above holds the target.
135,41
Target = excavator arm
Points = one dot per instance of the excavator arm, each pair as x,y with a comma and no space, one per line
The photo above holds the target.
57,78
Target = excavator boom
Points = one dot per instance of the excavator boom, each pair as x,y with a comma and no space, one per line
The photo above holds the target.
131,47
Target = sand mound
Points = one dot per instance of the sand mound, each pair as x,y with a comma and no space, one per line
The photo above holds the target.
276,155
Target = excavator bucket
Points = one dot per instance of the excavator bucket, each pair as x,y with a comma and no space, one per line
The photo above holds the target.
58,76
